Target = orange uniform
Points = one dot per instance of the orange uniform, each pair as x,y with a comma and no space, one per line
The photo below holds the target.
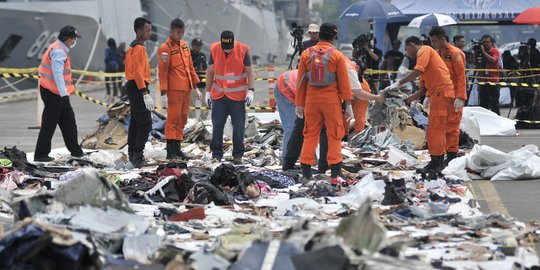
137,65
360,108
323,105
177,76
436,79
453,58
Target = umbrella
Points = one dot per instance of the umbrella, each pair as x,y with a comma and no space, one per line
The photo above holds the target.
529,16
433,19
371,9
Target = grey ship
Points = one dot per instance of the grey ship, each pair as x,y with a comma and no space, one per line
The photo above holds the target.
27,27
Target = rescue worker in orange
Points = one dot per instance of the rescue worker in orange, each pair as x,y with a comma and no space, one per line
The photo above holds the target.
361,95
177,78
435,77
140,102
56,85
323,91
454,58
229,88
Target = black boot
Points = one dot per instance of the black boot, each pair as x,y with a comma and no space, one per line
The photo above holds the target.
335,170
179,153
391,196
171,150
138,160
449,157
435,165
306,171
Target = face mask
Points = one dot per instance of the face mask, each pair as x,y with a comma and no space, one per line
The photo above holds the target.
73,45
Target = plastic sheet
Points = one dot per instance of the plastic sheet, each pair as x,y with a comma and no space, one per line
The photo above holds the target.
489,123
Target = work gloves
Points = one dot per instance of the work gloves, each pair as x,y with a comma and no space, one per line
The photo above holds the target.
208,98
458,104
393,86
426,103
348,112
148,102
299,112
198,93
249,97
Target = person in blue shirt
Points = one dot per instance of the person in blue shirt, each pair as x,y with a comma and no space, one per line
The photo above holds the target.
55,85
111,66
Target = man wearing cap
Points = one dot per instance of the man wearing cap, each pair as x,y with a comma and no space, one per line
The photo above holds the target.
313,31
56,85
200,65
140,102
320,98
229,89
177,78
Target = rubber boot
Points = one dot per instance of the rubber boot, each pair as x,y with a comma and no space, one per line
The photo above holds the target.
306,171
449,157
138,160
179,153
171,150
434,166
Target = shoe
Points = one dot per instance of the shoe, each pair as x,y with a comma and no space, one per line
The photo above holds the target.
43,159
306,171
171,150
391,197
179,153
237,161
338,181
449,157
335,171
138,160
79,155
435,165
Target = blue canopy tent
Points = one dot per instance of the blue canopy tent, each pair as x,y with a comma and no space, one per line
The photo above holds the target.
467,11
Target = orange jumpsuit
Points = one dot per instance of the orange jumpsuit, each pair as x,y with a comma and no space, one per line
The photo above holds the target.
454,60
322,106
436,79
177,76
360,108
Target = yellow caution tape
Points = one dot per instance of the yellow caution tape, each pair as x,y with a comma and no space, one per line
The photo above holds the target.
534,85
91,99
16,95
18,75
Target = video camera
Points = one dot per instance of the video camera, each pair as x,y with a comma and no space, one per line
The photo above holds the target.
363,39
476,46
297,31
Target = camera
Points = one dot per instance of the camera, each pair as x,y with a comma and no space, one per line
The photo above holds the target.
476,46
297,31
362,40
524,49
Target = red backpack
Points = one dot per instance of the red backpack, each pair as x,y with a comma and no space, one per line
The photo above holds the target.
318,73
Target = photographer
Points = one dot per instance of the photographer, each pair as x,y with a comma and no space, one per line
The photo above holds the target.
364,47
487,57
313,32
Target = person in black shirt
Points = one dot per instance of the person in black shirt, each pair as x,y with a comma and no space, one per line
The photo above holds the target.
535,54
313,31
200,65
372,59
395,54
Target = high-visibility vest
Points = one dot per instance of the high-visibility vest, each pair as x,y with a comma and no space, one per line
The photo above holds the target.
46,78
230,76
286,84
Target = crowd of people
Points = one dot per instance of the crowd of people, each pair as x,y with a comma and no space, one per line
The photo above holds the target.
316,102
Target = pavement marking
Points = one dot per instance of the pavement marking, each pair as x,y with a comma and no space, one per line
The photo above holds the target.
491,197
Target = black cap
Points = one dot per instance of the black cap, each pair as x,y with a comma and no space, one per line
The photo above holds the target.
69,31
329,29
196,41
227,40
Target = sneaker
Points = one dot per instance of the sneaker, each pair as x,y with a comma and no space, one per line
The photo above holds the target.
43,159
338,181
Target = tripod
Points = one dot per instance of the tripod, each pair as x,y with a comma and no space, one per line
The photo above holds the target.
298,49
479,63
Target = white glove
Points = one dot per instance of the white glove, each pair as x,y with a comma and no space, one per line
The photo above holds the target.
208,99
426,103
249,97
403,70
348,113
458,104
299,112
198,93
394,86
148,102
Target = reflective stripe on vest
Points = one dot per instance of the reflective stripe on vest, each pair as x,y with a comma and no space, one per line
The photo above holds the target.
230,76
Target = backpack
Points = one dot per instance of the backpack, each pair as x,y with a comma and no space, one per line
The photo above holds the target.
318,73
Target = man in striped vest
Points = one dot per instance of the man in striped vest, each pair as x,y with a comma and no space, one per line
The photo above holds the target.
56,85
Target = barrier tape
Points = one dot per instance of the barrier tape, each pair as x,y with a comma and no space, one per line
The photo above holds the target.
16,95
91,99
18,75
514,84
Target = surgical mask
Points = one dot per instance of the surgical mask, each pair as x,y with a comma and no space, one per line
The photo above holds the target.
73,45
